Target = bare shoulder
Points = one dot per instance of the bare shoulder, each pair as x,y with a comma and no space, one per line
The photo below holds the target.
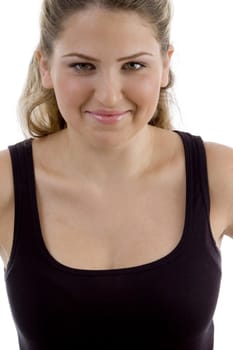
6,181
220,174
6,200
220,164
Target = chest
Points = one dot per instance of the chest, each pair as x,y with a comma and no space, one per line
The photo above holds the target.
124,226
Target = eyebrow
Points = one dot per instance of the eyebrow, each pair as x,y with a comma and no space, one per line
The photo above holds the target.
80,55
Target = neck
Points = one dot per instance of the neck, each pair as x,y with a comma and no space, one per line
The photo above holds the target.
107,163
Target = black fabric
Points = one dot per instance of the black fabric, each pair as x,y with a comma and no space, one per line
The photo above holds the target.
165,304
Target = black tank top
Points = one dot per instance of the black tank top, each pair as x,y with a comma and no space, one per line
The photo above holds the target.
167,304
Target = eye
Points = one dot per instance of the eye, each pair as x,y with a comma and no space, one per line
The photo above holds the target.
82,67
134,66
87,67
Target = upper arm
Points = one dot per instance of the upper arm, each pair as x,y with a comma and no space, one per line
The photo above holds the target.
220,174
6,204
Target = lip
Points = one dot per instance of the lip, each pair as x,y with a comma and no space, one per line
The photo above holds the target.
107,113
107,117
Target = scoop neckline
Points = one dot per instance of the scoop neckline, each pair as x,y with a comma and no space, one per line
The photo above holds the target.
121,270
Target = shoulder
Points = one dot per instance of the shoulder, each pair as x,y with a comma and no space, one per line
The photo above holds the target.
220,176
6,179
220,164
219,161
6,190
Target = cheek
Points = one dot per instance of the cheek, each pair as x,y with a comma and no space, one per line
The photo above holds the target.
70,93
145,92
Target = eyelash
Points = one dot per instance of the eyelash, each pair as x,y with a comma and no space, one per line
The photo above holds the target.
82,64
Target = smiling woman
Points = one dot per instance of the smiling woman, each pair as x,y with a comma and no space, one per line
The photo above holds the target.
106,83
39,106
111,220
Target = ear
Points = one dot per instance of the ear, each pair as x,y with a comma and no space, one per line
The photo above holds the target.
44,68
166,66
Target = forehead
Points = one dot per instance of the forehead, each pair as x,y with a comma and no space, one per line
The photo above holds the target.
102,28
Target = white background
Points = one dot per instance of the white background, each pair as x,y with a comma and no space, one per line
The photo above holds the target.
202,37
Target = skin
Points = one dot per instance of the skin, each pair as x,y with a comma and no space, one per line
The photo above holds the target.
112,83
88,165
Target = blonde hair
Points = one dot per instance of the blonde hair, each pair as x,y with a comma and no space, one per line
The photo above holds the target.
37,107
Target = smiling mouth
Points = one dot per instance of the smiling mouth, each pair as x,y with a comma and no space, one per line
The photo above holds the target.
104,113
106,117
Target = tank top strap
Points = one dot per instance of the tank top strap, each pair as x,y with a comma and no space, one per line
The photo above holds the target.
18,153
197,194
196,167
23,180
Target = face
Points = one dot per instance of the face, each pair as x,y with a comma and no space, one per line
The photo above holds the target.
106,71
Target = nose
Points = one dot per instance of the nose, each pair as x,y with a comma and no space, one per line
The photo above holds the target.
108,89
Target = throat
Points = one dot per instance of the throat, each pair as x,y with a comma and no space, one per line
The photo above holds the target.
126,161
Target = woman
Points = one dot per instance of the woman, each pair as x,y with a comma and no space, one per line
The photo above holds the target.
111,220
